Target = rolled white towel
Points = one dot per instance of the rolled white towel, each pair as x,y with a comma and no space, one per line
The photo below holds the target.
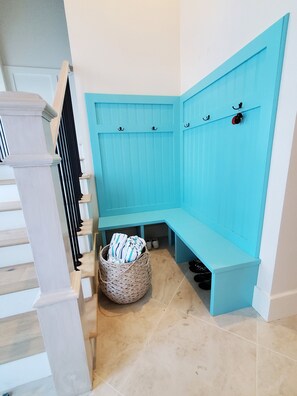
133,248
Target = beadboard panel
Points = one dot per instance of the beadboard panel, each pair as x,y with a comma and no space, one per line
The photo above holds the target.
225,167
224,176
136,169
142,171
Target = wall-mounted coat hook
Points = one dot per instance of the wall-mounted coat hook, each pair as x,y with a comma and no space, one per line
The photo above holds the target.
154,128
237,119
206,118
239,106
121,129
187,125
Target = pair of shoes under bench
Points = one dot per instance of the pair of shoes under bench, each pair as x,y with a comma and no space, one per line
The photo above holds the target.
152,244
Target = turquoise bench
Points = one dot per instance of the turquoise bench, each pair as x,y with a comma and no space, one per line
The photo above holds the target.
234,272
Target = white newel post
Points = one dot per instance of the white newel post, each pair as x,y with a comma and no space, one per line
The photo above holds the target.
26,123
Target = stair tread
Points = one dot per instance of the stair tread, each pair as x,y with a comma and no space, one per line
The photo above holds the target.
13,237
86,228
87,267
85,176
86,198
20,337
10,206
91,308
5,182
16,278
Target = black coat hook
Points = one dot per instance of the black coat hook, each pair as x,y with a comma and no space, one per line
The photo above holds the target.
154,128
206,118
121,129
187,125
239,106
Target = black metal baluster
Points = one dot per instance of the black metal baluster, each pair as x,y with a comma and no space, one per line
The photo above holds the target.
67,217
69,193
70,171
73,153
71,178
71,136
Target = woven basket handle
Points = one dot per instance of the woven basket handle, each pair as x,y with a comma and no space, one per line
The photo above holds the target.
117,276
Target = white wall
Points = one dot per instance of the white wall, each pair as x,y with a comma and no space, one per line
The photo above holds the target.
125,47
33,33
211,32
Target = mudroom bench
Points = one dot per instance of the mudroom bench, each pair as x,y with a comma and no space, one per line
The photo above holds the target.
234,272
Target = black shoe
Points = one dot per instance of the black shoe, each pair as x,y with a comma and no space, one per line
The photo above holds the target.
202,277
196,261
198,267
206,285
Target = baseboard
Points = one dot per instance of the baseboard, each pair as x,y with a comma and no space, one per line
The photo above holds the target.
275,306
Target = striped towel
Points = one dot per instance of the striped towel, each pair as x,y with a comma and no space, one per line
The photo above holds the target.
123,249
115,251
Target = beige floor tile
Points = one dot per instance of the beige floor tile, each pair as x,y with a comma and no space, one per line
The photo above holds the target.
123,331
166,275
194,301
190,357
101,388
277,375
280,335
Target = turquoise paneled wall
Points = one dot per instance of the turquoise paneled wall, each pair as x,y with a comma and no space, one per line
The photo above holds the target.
215,170
225,167
137,168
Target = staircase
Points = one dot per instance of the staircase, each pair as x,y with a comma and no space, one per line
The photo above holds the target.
22,353
23,346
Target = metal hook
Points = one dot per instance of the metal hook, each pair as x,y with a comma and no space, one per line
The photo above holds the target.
154,128
206,118
239,106
187,125
121,129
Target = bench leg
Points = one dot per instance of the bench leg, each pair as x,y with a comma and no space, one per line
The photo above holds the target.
182,252
232,290
141,228
170,241
103,235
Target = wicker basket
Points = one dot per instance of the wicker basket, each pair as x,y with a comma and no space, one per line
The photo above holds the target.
124,283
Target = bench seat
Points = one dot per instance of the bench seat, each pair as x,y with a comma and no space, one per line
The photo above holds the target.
234,272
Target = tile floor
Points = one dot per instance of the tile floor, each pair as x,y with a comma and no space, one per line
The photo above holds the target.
168,344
